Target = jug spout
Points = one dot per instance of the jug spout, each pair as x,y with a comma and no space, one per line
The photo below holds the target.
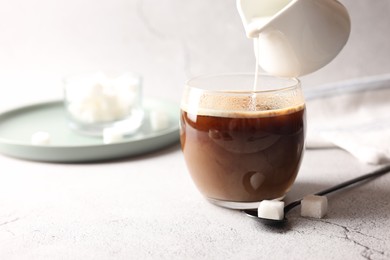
255,14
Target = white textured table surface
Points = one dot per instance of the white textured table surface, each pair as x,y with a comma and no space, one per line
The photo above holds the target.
148,208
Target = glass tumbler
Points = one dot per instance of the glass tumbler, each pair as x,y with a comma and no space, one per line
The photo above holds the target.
242,145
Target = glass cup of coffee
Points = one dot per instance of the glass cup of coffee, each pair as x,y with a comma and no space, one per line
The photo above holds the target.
243,144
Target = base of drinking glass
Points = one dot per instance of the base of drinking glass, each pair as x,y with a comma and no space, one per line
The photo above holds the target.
237,204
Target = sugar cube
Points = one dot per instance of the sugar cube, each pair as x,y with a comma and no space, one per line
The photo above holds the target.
271,209
98,98
40,138
113,135
314,206
159,120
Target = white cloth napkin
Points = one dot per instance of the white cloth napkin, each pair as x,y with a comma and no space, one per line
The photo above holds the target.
353,115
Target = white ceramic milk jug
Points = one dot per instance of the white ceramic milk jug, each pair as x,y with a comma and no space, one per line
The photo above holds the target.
295,37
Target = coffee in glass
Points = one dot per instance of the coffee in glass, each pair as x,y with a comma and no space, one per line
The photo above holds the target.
240,145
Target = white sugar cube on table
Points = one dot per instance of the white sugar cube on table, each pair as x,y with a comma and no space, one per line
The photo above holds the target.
271,209
40,138
314,206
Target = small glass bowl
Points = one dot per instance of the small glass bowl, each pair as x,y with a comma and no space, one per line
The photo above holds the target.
96,101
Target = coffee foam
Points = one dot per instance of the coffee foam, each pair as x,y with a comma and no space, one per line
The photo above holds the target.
244,106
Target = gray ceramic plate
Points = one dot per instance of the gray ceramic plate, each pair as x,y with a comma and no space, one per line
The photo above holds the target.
17,127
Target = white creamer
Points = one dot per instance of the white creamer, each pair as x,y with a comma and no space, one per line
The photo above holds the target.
295,37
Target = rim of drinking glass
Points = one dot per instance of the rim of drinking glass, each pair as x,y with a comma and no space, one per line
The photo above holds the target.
296,83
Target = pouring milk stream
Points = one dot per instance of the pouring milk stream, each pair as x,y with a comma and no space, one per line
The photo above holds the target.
295,37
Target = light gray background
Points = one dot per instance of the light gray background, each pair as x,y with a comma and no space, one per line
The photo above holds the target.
147,207
166,41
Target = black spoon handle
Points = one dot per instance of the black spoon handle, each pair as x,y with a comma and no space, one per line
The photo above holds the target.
374,174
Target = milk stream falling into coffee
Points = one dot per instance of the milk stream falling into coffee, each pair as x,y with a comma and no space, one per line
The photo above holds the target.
256,43
255,83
